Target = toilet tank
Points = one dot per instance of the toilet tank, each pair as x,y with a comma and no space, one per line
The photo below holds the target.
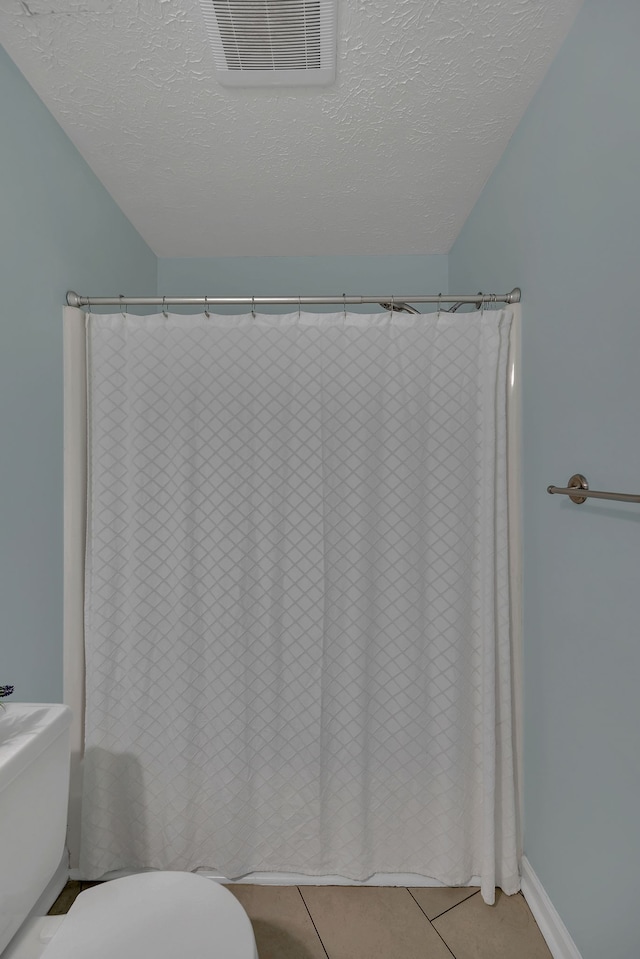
34,793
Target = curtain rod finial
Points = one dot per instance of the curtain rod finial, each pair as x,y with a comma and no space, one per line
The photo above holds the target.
72,299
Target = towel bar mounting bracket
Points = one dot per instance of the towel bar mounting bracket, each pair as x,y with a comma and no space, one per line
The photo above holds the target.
577,481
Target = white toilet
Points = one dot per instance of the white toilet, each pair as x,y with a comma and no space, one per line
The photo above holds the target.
153,915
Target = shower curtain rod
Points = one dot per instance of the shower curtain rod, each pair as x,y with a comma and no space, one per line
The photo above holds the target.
74,299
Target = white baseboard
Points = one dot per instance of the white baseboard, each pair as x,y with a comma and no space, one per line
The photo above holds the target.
544,912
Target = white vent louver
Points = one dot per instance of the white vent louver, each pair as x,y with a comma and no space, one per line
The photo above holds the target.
272,42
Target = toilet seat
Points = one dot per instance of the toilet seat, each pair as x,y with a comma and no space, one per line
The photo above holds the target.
155,915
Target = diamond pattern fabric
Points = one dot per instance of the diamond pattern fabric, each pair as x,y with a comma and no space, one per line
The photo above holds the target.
297,597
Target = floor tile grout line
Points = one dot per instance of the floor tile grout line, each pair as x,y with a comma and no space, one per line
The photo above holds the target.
444,943
455,906
313,923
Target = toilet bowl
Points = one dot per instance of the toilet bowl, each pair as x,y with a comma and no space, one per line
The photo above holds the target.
152,915
162,915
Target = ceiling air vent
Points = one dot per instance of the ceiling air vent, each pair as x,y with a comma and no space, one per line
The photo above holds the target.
272,42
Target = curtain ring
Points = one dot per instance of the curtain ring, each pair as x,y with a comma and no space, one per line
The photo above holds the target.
393,305
439,304
121,298
164,307
344,305
89,304
299,307
253,307
206,307
482,305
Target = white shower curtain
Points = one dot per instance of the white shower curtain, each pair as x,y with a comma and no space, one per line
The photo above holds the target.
297,597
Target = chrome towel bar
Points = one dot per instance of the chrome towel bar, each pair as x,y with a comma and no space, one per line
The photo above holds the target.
578,491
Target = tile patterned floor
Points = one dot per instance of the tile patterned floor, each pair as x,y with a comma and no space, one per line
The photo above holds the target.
374,922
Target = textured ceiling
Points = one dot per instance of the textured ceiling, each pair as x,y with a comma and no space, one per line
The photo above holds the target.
389,159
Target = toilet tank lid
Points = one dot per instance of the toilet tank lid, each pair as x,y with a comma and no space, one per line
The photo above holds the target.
156,914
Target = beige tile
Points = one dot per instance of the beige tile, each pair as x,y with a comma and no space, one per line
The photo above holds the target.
281,923
506,930
372,922
66,899
434,900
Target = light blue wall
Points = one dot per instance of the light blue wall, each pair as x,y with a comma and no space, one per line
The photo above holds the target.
59,230
560,217
304,275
